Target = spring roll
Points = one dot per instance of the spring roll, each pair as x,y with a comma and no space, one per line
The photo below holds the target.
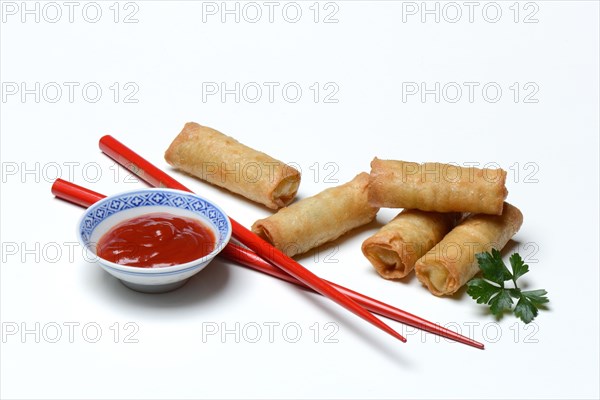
451,263
436,187
315,220
395,248
223,161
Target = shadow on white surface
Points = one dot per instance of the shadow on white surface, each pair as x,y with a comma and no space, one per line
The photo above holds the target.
201,288
377,340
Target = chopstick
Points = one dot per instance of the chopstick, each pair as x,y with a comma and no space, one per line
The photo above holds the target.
85,197
157,178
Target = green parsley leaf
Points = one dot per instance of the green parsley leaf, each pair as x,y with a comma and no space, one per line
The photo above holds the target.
493,267
500,299
525,310
501,303
518,266
536,296
481,290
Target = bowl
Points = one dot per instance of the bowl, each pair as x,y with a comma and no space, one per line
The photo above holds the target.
110,211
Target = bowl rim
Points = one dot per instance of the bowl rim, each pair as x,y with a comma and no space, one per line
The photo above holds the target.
173,269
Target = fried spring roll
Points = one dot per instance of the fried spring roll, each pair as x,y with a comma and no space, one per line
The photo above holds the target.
436,187
223,161
395,248
451,263
315,220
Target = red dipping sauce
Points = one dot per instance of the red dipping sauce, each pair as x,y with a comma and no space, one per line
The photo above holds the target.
156,240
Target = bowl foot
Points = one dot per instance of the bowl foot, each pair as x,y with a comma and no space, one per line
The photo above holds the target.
155,288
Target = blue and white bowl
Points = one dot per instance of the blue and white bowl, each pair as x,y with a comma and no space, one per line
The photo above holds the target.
108,212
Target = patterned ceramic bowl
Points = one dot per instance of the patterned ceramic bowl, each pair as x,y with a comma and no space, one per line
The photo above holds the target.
106,213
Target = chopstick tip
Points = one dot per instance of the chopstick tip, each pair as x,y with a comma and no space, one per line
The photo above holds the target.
397,336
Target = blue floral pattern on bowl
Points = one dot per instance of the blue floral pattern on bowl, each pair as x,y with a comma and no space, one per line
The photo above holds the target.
144,198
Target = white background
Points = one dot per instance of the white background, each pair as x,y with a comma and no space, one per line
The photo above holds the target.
373,54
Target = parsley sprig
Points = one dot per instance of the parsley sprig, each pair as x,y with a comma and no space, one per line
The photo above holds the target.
491,290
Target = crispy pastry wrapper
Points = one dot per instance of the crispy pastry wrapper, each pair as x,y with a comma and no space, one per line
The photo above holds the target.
436,187
223,161
397,246
451,263
319,219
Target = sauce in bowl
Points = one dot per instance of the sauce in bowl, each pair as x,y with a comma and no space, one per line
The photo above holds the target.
156,240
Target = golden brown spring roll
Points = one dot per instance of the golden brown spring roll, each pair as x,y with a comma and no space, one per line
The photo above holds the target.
223,161
451,263
436,187
395,248
315,220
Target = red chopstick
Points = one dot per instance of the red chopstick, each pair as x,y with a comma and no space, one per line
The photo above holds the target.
157,178
85,197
